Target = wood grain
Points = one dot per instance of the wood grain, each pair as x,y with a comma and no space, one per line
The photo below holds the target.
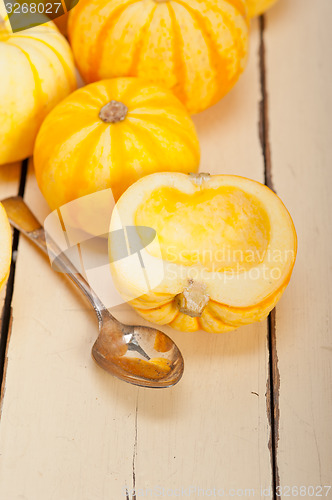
69,431
299,72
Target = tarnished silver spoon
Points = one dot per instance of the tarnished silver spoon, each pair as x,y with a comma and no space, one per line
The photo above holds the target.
139,355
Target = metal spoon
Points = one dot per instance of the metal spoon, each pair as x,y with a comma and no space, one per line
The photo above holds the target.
139,355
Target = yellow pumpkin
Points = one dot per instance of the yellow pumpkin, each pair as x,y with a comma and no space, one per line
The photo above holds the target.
257,7
5,246
108,135
223,254
196,48
37,71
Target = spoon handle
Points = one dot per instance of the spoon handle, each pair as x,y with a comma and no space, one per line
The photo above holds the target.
21,218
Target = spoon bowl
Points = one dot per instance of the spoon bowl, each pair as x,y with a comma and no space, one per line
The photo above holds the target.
139,355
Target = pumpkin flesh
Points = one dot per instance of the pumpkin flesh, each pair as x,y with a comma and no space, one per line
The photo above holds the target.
226,227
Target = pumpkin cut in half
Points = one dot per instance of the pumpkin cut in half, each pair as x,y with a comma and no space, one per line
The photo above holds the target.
223,251
5,246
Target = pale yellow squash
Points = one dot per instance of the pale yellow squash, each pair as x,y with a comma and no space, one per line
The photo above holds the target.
37,71
223,254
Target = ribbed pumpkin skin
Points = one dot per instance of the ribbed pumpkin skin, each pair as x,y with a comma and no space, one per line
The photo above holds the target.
77,154
196,48
37,71
216,318
257,7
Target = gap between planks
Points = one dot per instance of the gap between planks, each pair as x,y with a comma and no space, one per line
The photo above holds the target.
273,381
134,455
6,320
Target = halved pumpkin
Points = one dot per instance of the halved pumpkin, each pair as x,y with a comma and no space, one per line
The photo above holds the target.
223,254
5,246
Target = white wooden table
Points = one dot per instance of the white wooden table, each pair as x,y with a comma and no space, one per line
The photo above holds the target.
252,415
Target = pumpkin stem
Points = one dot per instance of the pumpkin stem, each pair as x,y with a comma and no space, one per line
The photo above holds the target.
193,299
199,178
113,112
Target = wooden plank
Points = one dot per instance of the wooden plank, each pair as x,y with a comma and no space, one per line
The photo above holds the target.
67,427
71,432
299,72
